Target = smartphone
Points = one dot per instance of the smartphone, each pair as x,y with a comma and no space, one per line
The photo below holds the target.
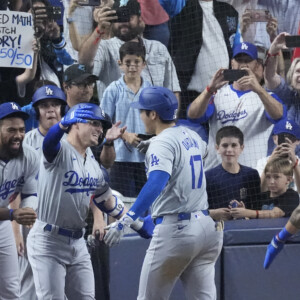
89,2
292,41
123,15
234,75
145,137
282,136
259,15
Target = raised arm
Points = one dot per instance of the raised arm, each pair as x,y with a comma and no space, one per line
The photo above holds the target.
87,52
272,79
199,105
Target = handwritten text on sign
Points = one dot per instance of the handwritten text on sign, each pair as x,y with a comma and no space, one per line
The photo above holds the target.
16,36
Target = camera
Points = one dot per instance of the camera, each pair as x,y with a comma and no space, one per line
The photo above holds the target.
259,15
52,12
123,15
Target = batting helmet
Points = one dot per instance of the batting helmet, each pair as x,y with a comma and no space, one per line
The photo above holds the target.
98,113
48,92
159,99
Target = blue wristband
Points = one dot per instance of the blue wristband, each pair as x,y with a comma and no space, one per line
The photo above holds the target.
283,235
11,214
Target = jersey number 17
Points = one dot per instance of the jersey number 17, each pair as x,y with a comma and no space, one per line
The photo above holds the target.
197,171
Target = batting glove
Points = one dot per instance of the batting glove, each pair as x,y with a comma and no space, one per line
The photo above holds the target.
76,116
273,249
116,230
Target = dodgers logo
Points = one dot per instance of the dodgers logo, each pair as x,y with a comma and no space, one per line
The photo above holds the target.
14,106
231,116
154,160
288,126
9,187
79,184
48,91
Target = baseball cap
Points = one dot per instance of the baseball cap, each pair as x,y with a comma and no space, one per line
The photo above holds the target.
159,99
133,6
246,48
98,113
48,92
77,73
287,126
11,109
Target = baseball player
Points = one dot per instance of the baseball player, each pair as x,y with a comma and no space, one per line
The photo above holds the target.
68,177
49,103
19,169
185,243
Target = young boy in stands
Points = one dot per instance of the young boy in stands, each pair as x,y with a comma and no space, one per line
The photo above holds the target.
230,180
127,175
279,200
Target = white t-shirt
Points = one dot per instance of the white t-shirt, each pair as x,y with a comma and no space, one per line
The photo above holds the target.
213,54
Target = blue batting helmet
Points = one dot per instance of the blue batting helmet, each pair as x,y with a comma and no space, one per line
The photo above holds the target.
159,99
48,92
98,113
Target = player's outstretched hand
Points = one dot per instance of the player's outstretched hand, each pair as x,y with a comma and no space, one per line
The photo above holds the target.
273,249
146,231
24,216
77,116
116,230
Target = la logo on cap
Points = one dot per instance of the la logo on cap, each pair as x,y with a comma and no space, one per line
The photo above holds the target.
288,125
244,46
49,92
14,106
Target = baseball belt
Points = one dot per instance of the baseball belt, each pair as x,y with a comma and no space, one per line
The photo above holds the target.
179,217
77,234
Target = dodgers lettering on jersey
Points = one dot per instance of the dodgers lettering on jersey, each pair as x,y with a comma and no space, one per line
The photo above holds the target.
79,184
66,186
178,151
245,110
18,175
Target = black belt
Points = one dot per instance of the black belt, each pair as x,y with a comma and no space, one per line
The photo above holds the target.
180,217
66,232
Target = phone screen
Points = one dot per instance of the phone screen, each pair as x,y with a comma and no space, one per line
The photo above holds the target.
234,75
292,41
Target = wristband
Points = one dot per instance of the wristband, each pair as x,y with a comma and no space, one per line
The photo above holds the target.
11,214
99,35
109,144
208,89
257,214
272,55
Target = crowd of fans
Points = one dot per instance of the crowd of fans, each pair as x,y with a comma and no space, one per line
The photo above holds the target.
107,53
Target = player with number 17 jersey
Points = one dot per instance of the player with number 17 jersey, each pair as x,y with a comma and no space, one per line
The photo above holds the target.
186,170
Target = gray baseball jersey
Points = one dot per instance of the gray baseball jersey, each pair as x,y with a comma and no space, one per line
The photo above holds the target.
66,186
178,151
185,242
18,175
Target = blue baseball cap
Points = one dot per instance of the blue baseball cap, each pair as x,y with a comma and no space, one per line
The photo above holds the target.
246,48
159,99
11,109
98,113
48,92
287,126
